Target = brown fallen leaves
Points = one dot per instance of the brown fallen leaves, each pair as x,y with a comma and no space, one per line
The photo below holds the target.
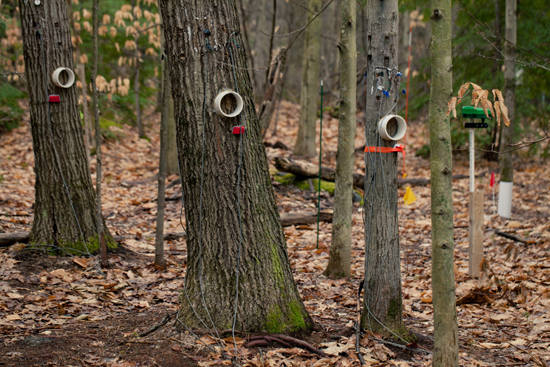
517,278
481,96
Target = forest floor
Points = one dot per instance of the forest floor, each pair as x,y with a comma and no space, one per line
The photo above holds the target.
60,311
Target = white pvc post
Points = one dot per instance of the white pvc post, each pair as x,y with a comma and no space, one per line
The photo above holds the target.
472,161
505,199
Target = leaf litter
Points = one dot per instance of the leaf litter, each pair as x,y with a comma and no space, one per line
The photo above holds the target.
504,317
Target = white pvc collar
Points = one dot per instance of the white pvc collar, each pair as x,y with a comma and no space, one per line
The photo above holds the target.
401,128
218,101
57,73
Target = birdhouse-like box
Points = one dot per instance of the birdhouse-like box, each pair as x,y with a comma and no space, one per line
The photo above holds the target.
472,113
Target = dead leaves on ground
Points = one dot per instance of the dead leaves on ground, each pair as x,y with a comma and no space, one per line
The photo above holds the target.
481,96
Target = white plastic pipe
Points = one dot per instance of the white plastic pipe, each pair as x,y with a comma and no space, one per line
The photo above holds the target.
401,127
472,161
57,73
218,101
505,199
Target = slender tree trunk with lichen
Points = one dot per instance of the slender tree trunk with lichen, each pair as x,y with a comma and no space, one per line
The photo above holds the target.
210,155
159,234
305,140
383,301
60,156
339,264
507,132
443,282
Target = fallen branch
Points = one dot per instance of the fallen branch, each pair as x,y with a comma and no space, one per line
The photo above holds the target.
8,239
298,218
309,170
154,328
287,219
284,340
514,238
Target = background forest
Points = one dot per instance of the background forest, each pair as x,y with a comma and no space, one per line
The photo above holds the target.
474,54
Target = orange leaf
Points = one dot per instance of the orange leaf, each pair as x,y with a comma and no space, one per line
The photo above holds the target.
497,112
452,107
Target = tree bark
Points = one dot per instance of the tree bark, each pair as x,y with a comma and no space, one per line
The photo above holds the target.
305,141
339,264
443,282
172,154
61,166
506,160
268,297
382,261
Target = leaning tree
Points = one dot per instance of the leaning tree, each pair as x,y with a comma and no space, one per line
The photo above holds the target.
64,208
237,258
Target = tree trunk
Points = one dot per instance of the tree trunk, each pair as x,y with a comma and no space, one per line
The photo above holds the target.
60,158
268,297
382,261
339,264
305,141
443,282
172,155
506,160
159,235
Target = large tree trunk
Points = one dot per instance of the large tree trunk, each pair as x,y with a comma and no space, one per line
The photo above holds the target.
305,141
339,264
382,263
61,169
268,298
506,160
443,282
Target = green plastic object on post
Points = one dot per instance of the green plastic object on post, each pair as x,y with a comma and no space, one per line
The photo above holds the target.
475,113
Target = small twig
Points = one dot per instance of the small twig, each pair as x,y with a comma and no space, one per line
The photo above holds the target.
162,322
402,346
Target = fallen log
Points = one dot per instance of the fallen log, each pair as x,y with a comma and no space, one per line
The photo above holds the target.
309,170
298,218
8,239
287,219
